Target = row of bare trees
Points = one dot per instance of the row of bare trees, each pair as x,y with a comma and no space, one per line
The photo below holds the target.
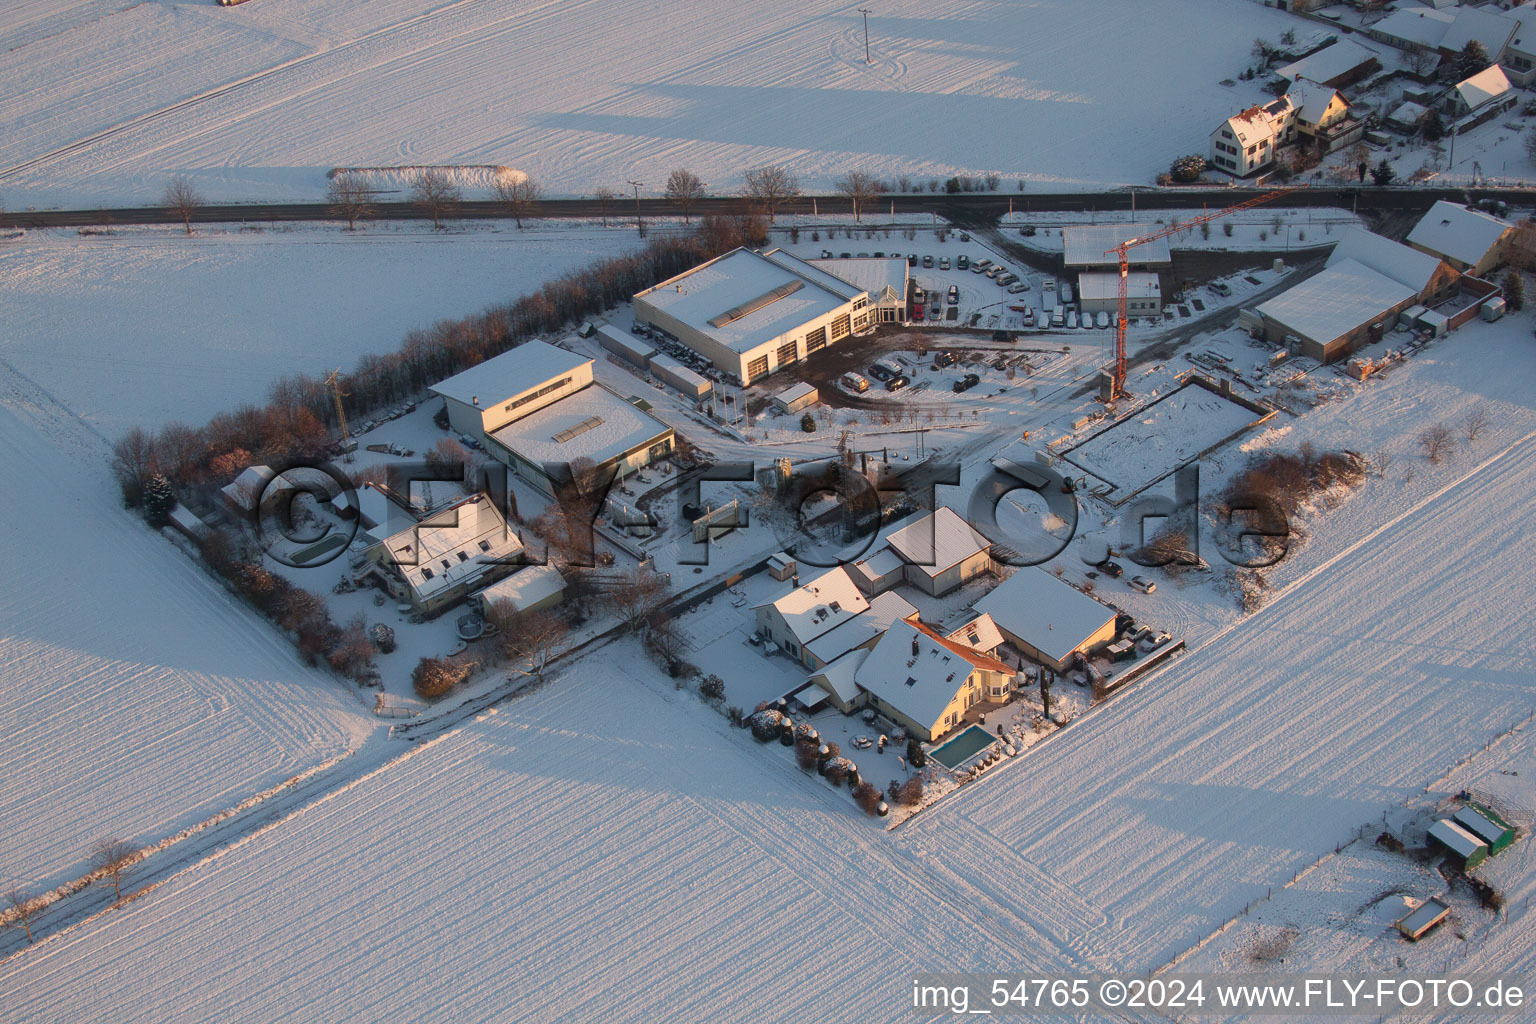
110,860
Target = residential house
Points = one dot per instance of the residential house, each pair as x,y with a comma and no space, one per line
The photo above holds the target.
437,562
809,611
1048,619
1471,241
1245,143
926,682
1489,88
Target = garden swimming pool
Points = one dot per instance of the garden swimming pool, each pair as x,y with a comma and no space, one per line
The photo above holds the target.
963,747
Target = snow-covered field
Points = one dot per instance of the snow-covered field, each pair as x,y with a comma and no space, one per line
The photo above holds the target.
106,101
138,698
103,322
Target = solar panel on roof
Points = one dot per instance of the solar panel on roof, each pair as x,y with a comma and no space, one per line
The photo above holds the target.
579,429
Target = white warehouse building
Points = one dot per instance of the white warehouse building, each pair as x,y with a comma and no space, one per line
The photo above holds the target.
751,313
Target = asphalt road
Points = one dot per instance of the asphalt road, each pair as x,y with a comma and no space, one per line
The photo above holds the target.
972,210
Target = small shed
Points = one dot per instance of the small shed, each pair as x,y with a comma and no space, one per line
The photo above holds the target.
669,371
1487,825
793,399
1437,324
1423,919
631,349
185,522
781,565
1465,847
1409,317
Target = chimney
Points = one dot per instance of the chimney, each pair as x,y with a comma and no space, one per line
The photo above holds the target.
915,650
474,400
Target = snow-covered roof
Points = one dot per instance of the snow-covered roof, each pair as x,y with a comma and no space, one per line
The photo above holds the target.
635,348
920,685
592,423
883,610
811,272
1421,917
1458,233
1419,25
744,300
510,374
1456,838
794,393
837,676
980,634
244,490
678,372
526,587
934,542
821,605
881,278
1525,29
1480,825
1051,616
780,560
877,566
1333,61
1491,28
1311,101
1336,301
185,520
1100,287
1483,88
1402,263
1408,113
453,545
1085,245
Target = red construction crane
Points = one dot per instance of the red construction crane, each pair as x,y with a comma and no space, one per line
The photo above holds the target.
1131,243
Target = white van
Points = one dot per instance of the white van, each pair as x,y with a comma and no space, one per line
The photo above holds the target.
855,382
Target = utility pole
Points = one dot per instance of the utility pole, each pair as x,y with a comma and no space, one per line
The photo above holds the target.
333,381
866,12
637,185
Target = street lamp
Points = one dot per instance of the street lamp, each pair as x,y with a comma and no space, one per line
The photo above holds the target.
637,185
866,12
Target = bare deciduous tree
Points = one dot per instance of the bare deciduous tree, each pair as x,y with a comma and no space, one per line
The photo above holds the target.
350,197
435,192
605,197
771,187
22,909
182,199
1381,461
1437,442
112,857
638,595
861,187
684,189
1475,423
664,639
530,640
516,195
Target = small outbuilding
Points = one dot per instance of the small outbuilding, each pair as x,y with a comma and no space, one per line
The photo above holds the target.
669,371
1423,919
1462,846
1487,825
795,398
1471,241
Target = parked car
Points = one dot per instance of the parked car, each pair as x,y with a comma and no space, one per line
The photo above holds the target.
982,264
1072,321
879,372
928,262
954,295
1221,288
935,309
854,382
1142,584
943,359
1065,291
918,295
977,268
911,259
897,383
1015,289
917,311
826,254
963,262
944,263
879,255
967,382
1101,319
1111,569
1029,317
994,271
